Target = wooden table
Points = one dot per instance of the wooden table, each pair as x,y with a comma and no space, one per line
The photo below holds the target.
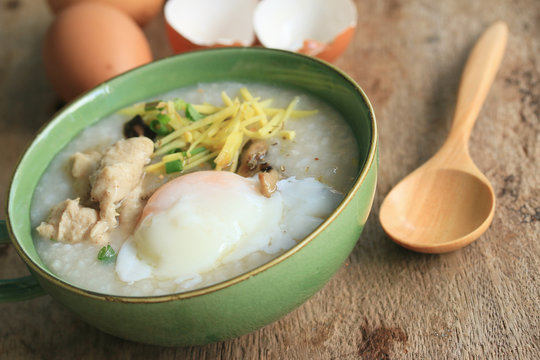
386,302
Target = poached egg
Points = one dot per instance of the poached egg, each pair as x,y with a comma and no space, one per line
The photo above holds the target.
196,222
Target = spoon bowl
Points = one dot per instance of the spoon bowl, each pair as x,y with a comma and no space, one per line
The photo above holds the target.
447,203
458,215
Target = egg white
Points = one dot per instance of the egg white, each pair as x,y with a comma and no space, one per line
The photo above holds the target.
211,224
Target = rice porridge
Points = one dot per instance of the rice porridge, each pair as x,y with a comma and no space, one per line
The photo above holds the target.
228,224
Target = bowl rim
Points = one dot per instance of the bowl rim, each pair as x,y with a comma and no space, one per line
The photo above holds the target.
369,162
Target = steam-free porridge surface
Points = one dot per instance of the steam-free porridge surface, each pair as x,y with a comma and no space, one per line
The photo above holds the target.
323,148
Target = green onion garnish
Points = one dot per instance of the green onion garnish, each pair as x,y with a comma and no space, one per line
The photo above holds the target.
173,151
158,127
106,254
151,105
179,104
195,151
162,118
192,114
173,166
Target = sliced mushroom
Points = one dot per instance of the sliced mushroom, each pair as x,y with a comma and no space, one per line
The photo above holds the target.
137,127
268,179
251,158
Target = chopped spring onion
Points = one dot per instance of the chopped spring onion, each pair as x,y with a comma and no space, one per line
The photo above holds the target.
159,128
151,105
195,151
173,166
175,150
162,118
192,113
106,254
180,104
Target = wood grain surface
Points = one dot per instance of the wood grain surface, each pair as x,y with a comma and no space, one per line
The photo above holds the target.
386,302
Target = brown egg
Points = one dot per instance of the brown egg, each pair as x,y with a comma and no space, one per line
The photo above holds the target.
141,10
91,42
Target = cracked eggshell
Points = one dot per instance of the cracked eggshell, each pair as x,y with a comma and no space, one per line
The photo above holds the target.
142,11
320,28
91,42
201,24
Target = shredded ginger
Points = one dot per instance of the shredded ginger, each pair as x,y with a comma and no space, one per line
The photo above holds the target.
205,132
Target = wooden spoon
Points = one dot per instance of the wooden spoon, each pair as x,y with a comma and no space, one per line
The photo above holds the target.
447,203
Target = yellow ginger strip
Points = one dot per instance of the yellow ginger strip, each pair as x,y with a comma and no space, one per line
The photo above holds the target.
226,99
250,121
171,157
214,129
290,108
277,120
199,139
176,120
256,135
178,143
201,160
219,116
273,133
149,116
231,145
192,158
226,131
246,94
236,156
160,166
196,133
277,123
157,167
234,162
175,123
253,134
207,109
262,135
294,114
218,131
258,109
247,110
287,134
229,127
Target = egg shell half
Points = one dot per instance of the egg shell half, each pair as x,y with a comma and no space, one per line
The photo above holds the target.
320,28
193,25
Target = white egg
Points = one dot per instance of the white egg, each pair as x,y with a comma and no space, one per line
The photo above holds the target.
198,221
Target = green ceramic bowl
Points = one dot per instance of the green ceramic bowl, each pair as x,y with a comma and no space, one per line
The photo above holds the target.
246,302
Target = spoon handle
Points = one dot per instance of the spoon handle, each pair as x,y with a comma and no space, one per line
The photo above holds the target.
478,75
